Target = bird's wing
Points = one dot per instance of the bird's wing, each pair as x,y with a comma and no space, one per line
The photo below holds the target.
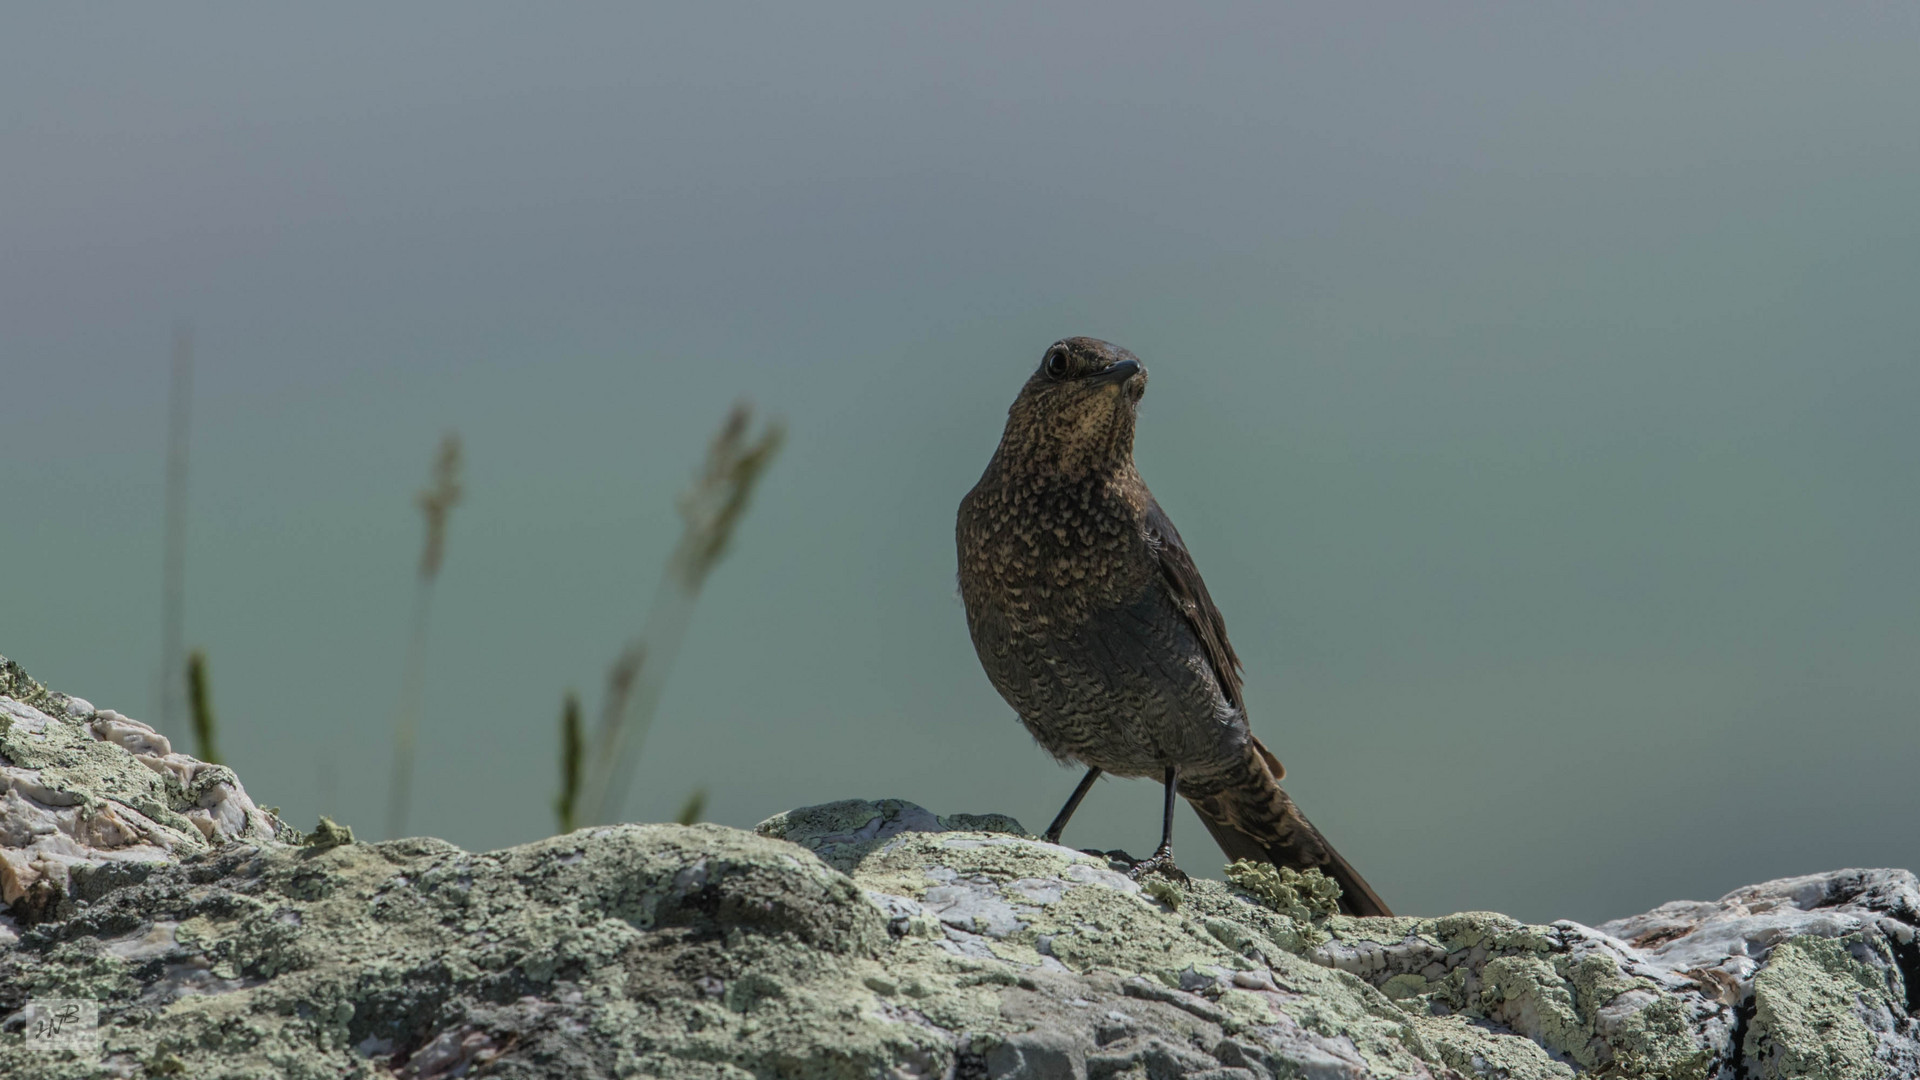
1189,594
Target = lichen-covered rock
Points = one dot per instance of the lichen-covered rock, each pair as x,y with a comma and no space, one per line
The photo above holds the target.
862,939
84,790
1825,969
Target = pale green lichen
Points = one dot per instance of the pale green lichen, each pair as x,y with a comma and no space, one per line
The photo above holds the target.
1805,1018
1165,891
1105,926
1486,929
1472,1050
1654,1040
18,685
1531,998
705,952
73,760
332,947
328,834
902,943
1338,1005
1092,928
1301,895
1657,1041
1585,1013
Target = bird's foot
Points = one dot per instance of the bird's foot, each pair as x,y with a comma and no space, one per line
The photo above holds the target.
1160,862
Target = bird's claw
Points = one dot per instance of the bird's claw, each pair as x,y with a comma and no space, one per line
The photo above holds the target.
1160,862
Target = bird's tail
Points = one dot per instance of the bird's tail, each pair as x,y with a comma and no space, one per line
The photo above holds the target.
1252,818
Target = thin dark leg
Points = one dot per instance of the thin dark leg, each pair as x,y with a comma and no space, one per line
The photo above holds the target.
1073,803
1161,861
1166,812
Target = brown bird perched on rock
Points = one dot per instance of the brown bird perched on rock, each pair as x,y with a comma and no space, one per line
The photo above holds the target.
1092,621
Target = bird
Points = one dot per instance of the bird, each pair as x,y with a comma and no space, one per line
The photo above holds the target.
1091,619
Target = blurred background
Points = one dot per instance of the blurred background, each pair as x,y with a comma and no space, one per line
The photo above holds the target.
1535,387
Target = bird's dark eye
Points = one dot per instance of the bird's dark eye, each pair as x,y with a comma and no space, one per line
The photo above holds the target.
1057,364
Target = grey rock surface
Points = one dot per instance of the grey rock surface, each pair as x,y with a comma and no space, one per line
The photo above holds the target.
84,791
854,939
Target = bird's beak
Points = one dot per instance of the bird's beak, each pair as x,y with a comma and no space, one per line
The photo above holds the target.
1119,373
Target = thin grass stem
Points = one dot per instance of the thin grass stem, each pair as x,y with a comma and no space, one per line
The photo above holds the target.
200,702
436,503
710,511
173,565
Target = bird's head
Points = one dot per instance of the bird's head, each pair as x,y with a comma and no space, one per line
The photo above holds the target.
1077,410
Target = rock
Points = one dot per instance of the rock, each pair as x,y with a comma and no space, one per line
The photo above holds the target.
856,939
1833,954
83,791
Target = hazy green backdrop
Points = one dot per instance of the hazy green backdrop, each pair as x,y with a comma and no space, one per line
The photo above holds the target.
1536,387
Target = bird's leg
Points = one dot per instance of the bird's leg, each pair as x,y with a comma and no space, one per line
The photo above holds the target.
1161,861
1059,825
